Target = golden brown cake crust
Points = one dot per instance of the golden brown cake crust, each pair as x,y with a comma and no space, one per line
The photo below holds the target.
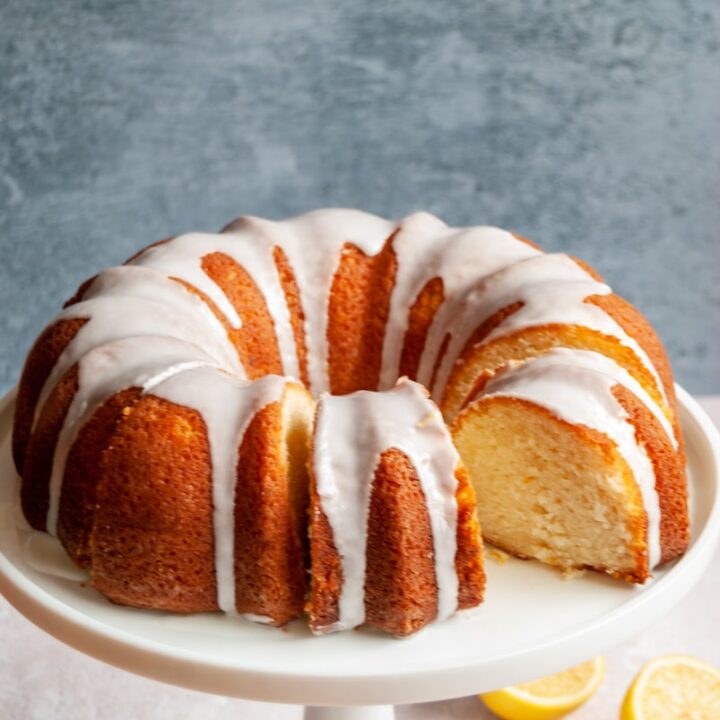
326,575
294,304
35,493
357,315
400,584
76,514
478,335
469,556
269,569
80,292
534,341
670,482
152,544
256,340
47,349
440,357
39,364
636,325
420,318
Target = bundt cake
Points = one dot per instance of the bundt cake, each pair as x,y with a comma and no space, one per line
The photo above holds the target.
166,430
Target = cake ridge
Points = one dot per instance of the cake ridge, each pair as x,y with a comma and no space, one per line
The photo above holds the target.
401,418
182,257
105,370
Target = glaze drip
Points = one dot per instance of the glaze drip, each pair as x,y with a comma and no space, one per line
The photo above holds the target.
128,302
351,434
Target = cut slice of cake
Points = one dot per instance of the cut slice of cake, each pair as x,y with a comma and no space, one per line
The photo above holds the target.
574,464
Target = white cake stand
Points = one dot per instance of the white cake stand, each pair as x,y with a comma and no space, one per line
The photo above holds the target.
532,623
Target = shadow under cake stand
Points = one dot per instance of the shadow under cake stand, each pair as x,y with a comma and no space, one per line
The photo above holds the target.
533,621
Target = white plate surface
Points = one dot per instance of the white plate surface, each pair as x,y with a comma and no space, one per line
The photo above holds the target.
533,621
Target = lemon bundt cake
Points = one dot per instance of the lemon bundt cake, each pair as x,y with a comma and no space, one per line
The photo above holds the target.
164,420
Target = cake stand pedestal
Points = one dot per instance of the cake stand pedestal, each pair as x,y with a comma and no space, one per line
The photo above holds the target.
532,623
368,712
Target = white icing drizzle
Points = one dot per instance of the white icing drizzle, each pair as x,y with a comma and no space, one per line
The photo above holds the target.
426,248
138,317
227,406
351,434
260,619
182,257
552,288
104,371
125,302
576,385
313,244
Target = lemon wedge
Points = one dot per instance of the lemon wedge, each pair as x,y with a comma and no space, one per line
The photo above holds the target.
550,697
674,687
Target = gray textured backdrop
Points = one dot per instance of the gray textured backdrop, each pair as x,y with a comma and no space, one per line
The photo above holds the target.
591,127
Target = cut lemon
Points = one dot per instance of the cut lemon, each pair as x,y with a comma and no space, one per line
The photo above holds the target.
674,687
550,697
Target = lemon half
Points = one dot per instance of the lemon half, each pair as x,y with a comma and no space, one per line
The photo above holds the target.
674,687
550,697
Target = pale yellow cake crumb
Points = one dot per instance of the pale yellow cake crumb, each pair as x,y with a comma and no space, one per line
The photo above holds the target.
497,556
572,573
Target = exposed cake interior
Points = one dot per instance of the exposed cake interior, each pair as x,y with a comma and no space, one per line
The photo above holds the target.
552,491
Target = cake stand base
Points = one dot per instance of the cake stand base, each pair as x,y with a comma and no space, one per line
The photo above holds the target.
367,712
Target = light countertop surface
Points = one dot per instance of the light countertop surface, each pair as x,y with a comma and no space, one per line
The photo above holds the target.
42,679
